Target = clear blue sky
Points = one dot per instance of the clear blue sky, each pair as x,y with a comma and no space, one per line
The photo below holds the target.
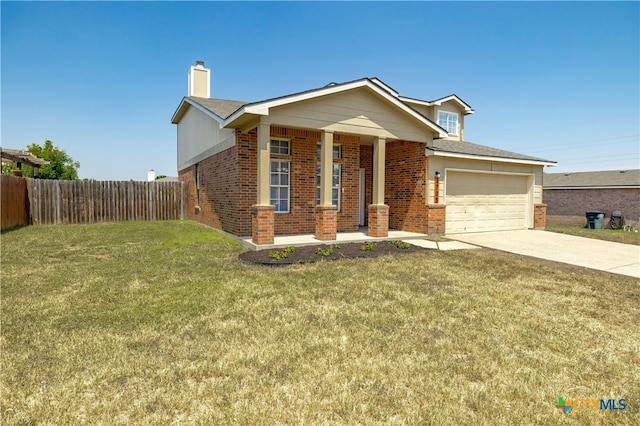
102,80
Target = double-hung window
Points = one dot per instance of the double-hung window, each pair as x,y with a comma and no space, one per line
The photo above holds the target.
449,122
335,178
279,181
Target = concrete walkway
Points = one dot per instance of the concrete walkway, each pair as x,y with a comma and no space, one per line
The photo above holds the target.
359,236
618,258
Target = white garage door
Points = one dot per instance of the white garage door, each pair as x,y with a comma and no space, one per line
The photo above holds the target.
479,202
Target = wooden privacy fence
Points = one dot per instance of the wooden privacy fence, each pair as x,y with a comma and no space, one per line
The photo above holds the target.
72,201
42,201
14,203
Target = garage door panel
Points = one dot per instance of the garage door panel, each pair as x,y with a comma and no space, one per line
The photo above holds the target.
479,202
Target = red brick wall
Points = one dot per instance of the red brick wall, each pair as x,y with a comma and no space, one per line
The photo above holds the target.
576,202
247,186
436,215
228,185
220,193
301,218
405,190
539,216
348,215
366,163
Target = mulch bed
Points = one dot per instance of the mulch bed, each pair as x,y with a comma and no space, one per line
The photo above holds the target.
309,254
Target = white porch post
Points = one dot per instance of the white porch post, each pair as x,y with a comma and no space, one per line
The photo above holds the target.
264,164
378,211
326,168
262,213
379,145
326,212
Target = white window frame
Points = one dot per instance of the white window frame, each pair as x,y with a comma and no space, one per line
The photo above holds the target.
282,168
336,184
337,150
280,146
447,124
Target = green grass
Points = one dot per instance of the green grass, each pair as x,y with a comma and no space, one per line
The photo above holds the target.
158,323
615,235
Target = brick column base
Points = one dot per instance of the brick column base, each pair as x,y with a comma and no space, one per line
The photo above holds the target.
436,215
539,216
262,224
378,220
326,223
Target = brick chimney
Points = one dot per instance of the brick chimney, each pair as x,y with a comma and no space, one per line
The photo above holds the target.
199,81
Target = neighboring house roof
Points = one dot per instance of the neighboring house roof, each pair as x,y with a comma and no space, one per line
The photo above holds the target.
20,156
218,108
591,180
458,149
167,179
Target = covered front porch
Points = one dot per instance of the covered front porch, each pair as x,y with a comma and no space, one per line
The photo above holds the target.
362,235
295,184
332,211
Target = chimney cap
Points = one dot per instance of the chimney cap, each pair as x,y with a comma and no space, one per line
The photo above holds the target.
200,63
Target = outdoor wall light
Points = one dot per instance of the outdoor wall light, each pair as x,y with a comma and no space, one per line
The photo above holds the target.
437,174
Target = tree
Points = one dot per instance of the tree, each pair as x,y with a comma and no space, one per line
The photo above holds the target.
61,166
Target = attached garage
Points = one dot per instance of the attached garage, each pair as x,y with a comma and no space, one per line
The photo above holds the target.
484,201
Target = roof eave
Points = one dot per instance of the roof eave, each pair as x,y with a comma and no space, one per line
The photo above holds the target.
494,159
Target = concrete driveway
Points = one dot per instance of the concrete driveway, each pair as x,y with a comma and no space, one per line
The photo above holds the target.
618,258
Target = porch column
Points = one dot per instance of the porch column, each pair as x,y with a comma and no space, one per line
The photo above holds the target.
326,212
262,213
378,210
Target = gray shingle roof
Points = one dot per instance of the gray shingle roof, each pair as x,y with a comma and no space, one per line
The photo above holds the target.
223,108
630,178
469,148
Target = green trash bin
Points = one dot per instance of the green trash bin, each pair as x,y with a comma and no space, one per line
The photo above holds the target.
594,220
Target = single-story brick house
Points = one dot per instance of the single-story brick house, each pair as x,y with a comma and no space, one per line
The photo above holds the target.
344,156
574,194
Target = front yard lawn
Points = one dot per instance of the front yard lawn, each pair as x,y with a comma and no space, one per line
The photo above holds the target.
615,235
160,323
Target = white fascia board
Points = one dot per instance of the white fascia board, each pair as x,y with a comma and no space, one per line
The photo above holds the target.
415,101
257,109
385,86
494,159
262,108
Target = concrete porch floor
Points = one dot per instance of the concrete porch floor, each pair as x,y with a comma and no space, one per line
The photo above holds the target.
355,237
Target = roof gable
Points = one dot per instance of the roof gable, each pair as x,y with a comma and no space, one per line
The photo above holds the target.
262,108
357,111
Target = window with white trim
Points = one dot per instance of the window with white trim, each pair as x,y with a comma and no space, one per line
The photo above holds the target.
279,185
280,146
448,121
337,151
335,185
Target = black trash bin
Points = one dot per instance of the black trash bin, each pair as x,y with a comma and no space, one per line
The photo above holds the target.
594,220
